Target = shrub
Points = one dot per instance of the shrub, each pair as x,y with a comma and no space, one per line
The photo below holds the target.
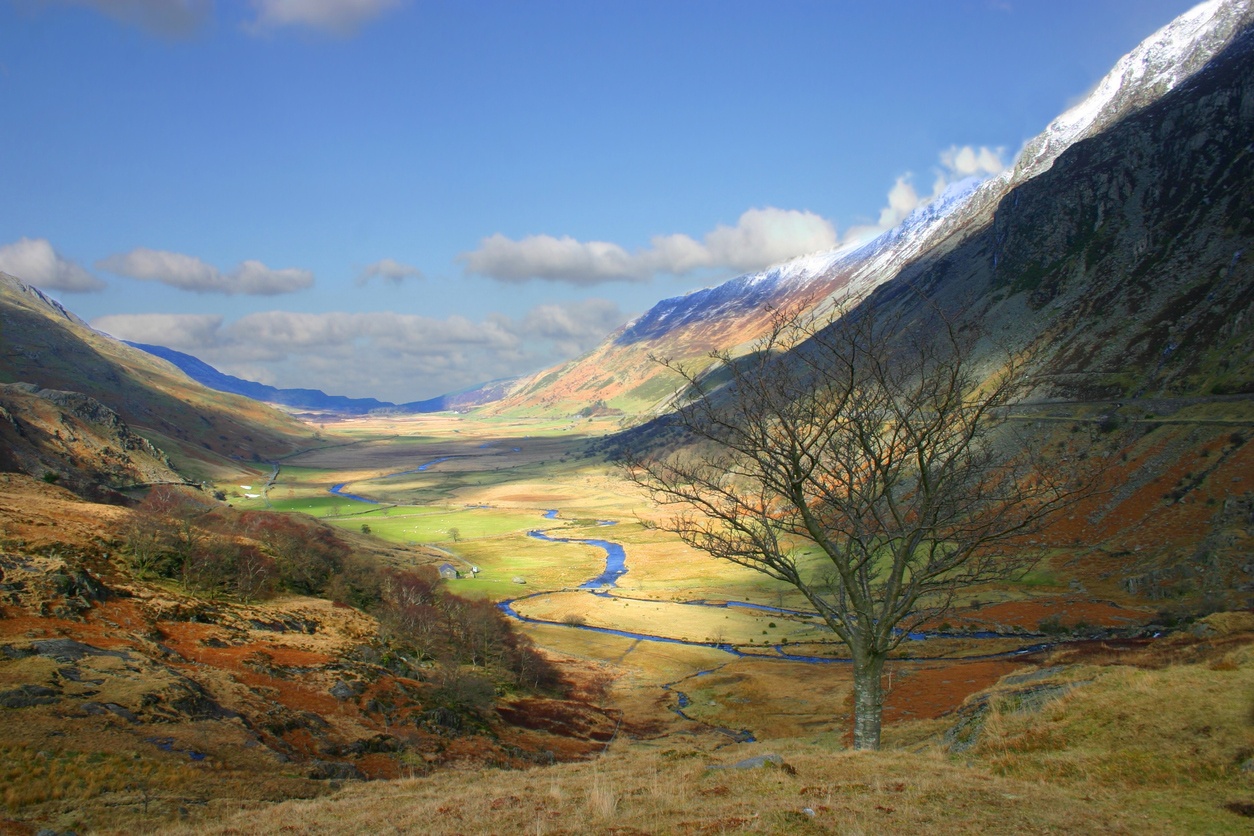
307,555
357,584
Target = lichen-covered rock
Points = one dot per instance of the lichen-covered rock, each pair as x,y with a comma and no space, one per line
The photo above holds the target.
335,771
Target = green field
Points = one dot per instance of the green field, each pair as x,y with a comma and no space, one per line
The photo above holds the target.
487,483
444,524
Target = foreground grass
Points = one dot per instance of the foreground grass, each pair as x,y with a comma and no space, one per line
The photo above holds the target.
669,791
1158,746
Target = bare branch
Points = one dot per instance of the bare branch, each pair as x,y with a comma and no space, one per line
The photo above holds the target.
875,440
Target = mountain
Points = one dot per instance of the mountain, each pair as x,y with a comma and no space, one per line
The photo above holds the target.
729,317
207,375
1123,271
315,399
203,432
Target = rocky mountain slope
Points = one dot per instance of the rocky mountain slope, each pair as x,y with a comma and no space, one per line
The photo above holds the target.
118,683
75,440
1117,256
43,344
731,316
1124,270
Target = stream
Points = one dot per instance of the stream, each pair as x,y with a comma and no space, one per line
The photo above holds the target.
338,489
615,559
616,567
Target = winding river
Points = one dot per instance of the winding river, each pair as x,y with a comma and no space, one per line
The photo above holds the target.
616,567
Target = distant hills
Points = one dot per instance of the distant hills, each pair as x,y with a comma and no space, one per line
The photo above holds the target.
315,399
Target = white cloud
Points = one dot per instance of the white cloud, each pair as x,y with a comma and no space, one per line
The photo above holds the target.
171,18
339,17
34,260
902,200
397,357
573,328
390,270
966,161
182,332
956,163
760,238
677,254
187,272
556,259
763,237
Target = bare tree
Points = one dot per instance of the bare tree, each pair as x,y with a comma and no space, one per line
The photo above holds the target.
164,531
866,461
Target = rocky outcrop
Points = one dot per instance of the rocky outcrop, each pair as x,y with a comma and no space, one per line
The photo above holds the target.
1025,693
75,439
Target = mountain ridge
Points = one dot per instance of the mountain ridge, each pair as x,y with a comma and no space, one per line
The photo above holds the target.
48,347
316,399
728,317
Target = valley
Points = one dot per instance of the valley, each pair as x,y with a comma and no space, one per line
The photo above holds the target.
668,660
701,664
944,529
526,517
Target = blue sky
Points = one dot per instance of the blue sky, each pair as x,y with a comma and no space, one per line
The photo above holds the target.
397,198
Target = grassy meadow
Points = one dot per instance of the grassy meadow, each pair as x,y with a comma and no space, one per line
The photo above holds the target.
474,488
486,484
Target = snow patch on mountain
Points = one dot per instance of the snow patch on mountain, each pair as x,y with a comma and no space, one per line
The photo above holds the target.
1158,64
1154,67
857,268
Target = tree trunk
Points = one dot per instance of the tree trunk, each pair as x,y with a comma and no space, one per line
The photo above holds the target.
868,702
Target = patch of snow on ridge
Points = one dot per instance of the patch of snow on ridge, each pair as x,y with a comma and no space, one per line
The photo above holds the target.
1154,67
865,264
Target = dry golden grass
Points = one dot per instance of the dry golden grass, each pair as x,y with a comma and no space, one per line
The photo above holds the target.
701,624
1127,750
652,790
31,776
1130,727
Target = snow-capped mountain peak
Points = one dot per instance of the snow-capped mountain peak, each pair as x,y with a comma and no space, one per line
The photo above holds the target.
1154,67
732,315
1157,65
